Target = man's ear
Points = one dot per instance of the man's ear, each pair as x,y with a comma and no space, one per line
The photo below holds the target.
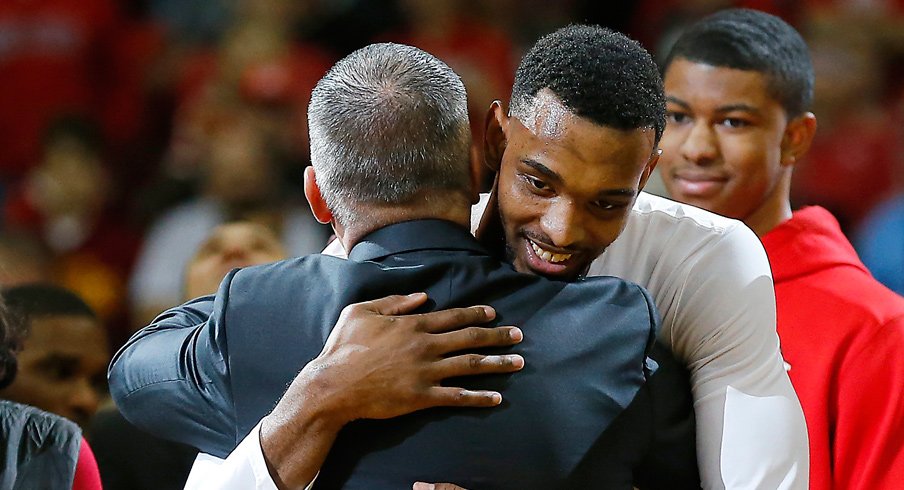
315,199
797,138
494,136
649,168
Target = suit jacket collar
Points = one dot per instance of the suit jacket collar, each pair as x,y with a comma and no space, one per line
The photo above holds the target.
410,236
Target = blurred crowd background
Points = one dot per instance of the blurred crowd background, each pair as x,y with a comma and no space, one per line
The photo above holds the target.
129,129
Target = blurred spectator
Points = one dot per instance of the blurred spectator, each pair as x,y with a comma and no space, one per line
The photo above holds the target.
240,181
40,450
130,459
342,27
259,66
65,201
23,259
849,168
58,56
192,22
880,243
880,238
481,54
228,247
63,364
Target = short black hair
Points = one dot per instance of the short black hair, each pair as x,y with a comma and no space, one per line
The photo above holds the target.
598,74
745,39
12,334
42,299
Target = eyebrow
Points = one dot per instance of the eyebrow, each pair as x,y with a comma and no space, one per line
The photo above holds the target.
626,193
677,101
549,173
61,358
738,108
543,169
724,108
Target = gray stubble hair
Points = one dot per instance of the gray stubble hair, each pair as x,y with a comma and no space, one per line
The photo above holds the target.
387,123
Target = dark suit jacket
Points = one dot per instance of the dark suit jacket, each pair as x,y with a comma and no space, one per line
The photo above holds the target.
581,413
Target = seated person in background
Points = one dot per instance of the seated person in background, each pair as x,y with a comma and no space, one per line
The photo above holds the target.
69,202
65,353
738,86
131,459
241,180
230,246
397,192
880,242
40,450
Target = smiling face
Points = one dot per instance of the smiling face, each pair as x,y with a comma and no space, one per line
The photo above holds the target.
723,143
566,186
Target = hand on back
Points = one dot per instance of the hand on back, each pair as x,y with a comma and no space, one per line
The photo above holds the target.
379,363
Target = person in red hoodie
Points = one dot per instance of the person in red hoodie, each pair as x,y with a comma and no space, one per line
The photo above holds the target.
738,85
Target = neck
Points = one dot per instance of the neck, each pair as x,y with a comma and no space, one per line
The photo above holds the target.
380,216
775,210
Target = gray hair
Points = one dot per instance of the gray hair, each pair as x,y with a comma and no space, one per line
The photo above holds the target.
387,123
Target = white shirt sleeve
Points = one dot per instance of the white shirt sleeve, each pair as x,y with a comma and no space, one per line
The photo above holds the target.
751,431
712,284
243,469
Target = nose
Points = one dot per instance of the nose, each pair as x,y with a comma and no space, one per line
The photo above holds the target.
562,224
700,146
84,400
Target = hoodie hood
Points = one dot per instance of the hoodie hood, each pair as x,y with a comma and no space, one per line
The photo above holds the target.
807,243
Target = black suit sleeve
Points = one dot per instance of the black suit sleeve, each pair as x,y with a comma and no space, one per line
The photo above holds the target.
171,378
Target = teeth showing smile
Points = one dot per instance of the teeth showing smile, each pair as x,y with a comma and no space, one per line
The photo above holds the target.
549,256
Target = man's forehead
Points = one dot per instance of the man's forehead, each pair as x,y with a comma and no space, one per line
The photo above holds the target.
63,330
546,116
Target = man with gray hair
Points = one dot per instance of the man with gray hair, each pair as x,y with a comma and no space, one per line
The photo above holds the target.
391,174
414,114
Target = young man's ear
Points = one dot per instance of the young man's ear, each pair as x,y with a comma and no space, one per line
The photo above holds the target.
494,137
315,199
798,137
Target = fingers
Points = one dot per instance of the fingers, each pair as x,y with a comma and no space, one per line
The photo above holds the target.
394,305
435,486
453,319
476,337
442,396
472,364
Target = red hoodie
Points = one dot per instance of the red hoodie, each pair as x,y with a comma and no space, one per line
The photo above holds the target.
842,332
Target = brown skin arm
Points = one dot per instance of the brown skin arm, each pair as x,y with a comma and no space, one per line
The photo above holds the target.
379,363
